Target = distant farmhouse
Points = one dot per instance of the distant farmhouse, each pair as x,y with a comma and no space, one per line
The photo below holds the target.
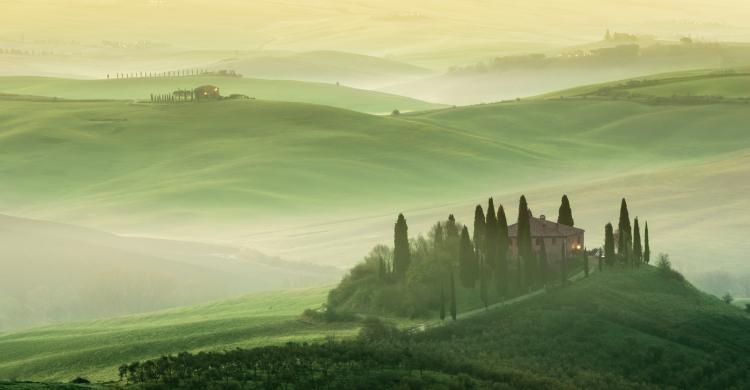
207,92
554,235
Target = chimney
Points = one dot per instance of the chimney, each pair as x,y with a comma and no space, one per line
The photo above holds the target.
543,217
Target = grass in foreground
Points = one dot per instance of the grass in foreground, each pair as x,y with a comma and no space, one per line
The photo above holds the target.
619,328
95,349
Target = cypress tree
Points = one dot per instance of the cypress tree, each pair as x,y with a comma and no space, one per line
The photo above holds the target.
442,302
439,237
401,253
451,229
565,215
625,241
490,241
502,252
609,244
467,261
479,228
524,242
646,248
453,299
637,249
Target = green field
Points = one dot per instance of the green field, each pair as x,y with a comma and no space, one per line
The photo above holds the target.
729,83
619,328
279,90
232,167
95,349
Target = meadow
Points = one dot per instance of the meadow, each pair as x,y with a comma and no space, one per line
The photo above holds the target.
140,89
300,166
95,349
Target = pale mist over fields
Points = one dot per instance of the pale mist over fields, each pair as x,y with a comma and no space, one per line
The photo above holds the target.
110,206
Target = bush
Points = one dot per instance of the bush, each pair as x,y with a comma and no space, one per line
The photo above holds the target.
727,298
80,381
664,265
375,329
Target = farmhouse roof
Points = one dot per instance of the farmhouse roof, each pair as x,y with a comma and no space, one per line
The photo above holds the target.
541,227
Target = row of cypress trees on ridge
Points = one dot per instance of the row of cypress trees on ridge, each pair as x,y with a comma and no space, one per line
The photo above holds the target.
484,258
624,246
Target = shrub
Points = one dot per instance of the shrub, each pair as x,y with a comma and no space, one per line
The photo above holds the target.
395,113
80,381
375,329
727,298
664,265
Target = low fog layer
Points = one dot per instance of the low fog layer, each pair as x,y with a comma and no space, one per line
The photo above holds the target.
55,272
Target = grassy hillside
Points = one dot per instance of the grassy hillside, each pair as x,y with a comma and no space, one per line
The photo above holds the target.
280,90
727,83
617,329
97,348
236,166
323,66
66,273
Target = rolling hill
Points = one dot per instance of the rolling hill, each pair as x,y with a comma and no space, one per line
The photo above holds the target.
279,90
97,348
330,67
617,329
233,167
68,273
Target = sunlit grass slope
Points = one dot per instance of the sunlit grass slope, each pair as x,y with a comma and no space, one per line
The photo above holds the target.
732,83
280,90
235,160
95,349
617,329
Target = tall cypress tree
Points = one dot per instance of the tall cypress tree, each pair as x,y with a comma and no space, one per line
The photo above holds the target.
637,249
479,229
490,240
439,237
442,302
523,237
401,253
646,248
565,215
467,261
502,252
609,244
625,241
454,310
451,229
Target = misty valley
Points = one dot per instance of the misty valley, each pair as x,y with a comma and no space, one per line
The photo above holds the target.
390,195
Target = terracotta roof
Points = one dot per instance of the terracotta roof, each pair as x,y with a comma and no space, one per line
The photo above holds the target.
543,228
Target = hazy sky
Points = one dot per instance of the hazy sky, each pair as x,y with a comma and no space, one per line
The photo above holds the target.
382,27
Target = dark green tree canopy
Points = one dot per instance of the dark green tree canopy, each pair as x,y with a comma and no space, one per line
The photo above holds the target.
625,238
609,244
468,268
401,252
565,215
490,241
479,228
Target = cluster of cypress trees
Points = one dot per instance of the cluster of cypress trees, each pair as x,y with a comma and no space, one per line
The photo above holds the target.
181,95
627,248
484,256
